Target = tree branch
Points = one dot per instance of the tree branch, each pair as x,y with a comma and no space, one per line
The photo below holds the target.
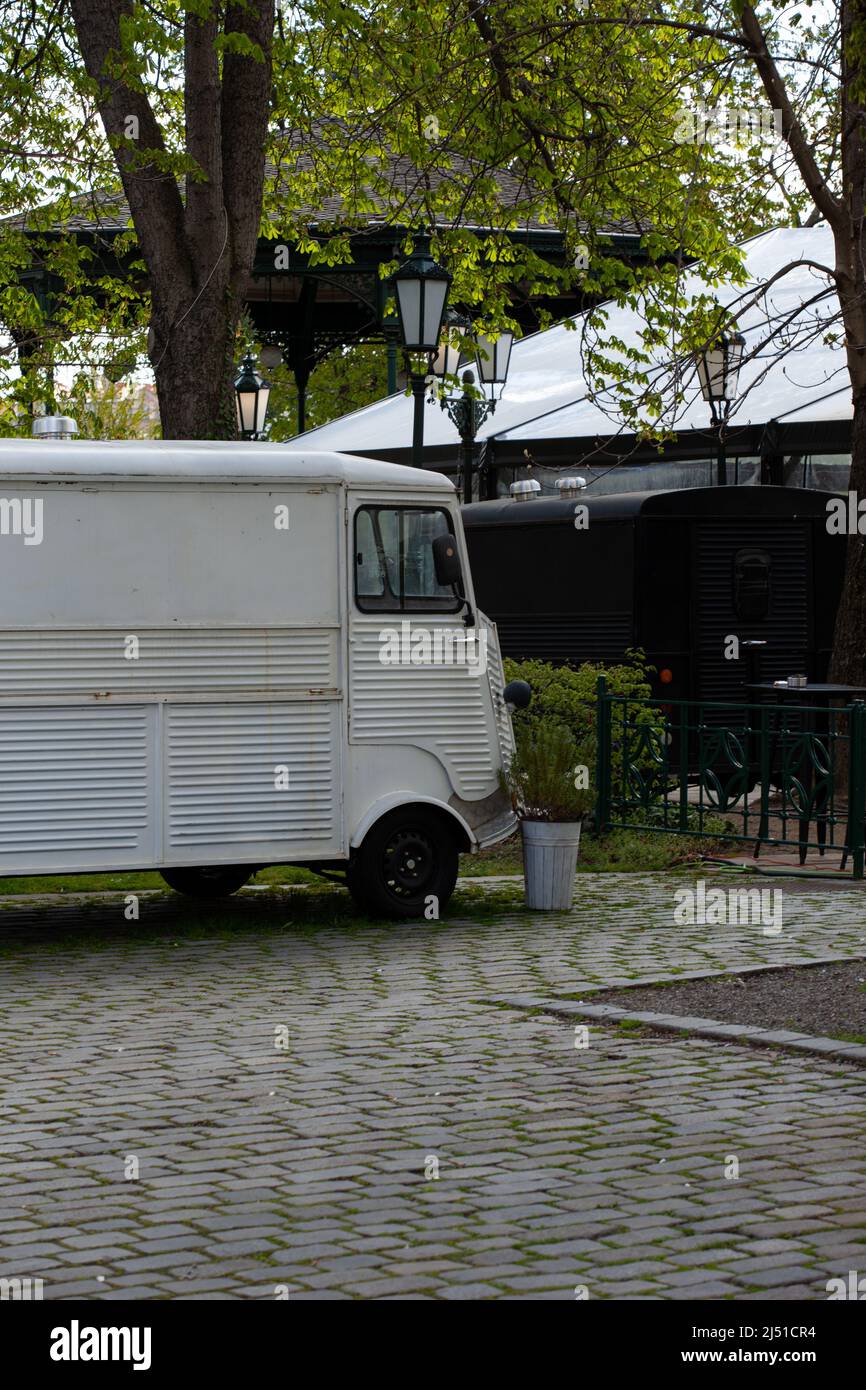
151,191
792,130
246,99
204,197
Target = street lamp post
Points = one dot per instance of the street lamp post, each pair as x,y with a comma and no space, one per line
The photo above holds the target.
251,399
421,288
468,411
718,365
418,383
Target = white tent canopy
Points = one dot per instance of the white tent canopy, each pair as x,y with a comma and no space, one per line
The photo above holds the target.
790,373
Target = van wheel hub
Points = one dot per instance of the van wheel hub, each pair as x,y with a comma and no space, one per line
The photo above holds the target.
409,858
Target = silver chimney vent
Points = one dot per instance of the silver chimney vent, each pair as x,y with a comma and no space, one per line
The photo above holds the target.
525,490
570,487
54,427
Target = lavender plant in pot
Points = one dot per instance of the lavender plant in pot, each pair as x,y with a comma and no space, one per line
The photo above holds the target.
547,782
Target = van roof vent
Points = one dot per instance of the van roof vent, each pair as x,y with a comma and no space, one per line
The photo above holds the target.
54,427
570,487
525,489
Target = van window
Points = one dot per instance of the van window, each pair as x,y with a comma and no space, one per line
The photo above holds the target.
394,561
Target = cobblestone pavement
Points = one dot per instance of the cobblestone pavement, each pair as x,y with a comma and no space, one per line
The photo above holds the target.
303,1162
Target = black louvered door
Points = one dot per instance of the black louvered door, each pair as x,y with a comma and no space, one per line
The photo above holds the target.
729,561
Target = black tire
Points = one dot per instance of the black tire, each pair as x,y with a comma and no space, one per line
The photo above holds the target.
217,882
408,856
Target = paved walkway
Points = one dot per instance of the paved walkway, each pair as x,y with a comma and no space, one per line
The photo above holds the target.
261,1112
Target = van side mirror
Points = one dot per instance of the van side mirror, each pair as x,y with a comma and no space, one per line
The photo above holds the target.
517,694
446,561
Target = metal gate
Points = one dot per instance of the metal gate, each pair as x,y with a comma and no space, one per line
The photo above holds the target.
778,774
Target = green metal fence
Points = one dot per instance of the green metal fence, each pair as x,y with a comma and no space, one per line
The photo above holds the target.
775,774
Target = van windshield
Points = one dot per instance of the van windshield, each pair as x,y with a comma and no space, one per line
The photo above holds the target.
394,570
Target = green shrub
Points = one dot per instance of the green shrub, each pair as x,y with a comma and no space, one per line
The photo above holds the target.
545,778
568,695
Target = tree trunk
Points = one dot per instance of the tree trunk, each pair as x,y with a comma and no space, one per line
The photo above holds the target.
848,665
846,216
194,365
198,244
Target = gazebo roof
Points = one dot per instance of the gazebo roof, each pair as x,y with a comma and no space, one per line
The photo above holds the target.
547,404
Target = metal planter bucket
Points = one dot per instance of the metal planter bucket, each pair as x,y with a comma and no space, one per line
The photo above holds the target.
549,862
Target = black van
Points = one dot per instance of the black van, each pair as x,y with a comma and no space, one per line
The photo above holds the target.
676,573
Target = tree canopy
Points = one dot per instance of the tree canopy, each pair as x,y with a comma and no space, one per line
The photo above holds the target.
218,121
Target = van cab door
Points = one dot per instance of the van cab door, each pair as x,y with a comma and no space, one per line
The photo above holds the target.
417,659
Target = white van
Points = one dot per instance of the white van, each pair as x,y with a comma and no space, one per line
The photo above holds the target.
215,657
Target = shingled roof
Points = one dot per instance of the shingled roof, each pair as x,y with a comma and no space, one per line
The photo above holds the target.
100,211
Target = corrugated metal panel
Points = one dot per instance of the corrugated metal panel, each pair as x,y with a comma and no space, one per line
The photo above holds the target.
496,677
786,627
220,778
75,783
73,662
442,708
564,636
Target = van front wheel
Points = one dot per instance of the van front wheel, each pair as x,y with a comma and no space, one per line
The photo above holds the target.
217,882
408,860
